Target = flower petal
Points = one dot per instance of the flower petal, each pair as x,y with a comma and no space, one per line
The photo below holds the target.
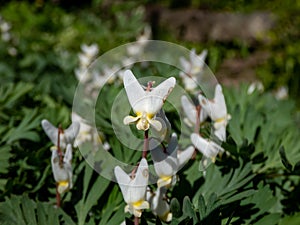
124,181
50,130
184,156
207,148
189,109
130,119
133,90
156,124
159,95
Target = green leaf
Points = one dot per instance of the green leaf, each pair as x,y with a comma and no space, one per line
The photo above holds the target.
92,191
284,159
23,211
188,209
175,208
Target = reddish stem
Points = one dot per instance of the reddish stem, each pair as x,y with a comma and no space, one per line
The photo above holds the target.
146,144
136,221
57,197
60,131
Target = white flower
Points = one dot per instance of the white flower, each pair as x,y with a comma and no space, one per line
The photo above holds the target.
207,147
5,27
134,190
190,111
159,205
217,111
62,171
138,47
193,68
90,51
282,93
165,132
67,137
146,104
168,161
82,75
255,86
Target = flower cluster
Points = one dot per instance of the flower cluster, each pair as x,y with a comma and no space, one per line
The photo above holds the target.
7,37
147,105
193,68
216,110
61,153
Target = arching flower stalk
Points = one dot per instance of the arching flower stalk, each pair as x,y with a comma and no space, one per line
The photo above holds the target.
62,171
61,155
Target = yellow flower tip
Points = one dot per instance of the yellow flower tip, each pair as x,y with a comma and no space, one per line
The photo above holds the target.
166,217
62,186
220,120
136,208
165,181
53,148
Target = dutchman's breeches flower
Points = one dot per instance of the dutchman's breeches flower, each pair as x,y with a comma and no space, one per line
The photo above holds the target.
168,161
217,111
134,189
146,103
159,205
66,137
207,147
62,171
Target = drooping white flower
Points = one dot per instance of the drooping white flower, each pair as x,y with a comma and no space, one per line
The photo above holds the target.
134,189
146,104
165,132
190,111
193,68
158,204
62,171
67,137
217,111
168,161
207,147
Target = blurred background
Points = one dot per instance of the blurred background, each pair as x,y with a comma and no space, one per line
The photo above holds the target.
246,40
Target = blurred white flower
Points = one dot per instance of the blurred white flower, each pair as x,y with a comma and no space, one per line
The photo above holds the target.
90,50
217,111
282,93
193,68
207,147
255,86
158,204
190,111
82,75
66,137
4,26
168,161
62,171
134,189
146,104
5,37
137,48
12,51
